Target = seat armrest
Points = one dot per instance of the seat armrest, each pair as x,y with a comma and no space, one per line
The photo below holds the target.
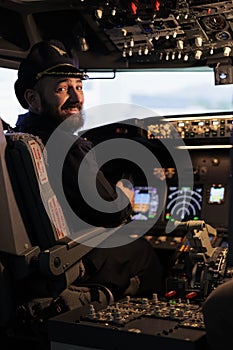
60,258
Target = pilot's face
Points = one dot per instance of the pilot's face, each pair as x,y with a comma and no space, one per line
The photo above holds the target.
61,98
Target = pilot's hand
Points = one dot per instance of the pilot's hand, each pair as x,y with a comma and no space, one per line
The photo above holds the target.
81,269
127,191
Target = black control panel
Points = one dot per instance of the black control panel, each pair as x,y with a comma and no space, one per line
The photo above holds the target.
120,34
133,323
201,127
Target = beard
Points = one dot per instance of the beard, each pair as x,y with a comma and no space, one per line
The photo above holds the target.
72,123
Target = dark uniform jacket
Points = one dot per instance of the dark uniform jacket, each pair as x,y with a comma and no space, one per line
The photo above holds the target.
79,147
112,267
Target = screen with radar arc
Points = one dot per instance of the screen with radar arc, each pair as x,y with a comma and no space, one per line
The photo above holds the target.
184,204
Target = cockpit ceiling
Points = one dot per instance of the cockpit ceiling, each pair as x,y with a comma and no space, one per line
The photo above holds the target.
121,34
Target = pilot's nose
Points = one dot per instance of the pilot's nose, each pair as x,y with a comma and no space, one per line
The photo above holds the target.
76,95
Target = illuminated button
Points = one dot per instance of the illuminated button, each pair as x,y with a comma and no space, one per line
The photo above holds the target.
214,133
192,134
181,124
207,133
191,295
222,133
170,294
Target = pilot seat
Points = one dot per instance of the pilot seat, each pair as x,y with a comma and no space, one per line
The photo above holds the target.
39,261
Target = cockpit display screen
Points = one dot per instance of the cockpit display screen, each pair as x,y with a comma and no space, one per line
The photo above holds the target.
184,203
216,194
146,203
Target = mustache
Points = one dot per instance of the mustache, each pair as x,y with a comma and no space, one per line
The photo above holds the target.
72,105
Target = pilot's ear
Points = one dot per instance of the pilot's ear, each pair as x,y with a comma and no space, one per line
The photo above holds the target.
33,99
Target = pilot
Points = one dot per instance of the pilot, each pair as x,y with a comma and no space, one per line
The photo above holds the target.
50,87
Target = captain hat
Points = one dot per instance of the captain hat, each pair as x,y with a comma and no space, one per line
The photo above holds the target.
46,58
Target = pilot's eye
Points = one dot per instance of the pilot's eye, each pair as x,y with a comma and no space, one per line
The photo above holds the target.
62,89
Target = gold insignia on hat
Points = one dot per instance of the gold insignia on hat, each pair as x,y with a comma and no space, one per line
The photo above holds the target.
60,51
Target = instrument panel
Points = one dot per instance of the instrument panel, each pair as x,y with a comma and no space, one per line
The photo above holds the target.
202,127
120,34
132,322
194,254
193,153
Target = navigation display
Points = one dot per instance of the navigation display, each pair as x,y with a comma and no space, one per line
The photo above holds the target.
184,204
